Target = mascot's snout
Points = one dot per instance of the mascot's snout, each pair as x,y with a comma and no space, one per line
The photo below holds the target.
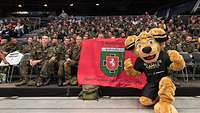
147,50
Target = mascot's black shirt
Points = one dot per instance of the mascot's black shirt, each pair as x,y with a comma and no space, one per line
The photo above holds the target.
154,71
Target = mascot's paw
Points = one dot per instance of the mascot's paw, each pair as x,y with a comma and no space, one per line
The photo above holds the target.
164,107
128,67
128,64
174,55
178,62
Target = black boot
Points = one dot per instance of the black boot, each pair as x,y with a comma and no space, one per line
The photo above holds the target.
39,81
22,82
47,81
60,82
67,82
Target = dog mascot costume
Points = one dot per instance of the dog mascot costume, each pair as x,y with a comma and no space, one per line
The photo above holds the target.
155,63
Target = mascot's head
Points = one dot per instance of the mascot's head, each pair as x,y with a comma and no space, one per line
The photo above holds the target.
147,45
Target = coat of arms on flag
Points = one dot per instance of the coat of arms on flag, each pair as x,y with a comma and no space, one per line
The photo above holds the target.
102,63
112,61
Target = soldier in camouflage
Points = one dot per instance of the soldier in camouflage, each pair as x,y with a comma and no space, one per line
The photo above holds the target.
172,42
24,66
71,63
11,46
68,52
55,66
42,56
194,27
37,59
186,45
7,48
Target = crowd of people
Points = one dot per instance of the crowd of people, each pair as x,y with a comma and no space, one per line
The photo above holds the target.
55,49
17,27
179,30
49,56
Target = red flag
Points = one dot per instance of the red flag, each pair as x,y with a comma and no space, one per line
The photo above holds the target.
102,62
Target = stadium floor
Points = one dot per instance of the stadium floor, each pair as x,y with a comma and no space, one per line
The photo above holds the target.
183,89
74,105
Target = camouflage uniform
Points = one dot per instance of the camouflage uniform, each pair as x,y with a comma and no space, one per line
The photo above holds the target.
60,58
24,66
72,67
38,52
43,54
10,47
67,68
194,29
186,47
52,67
6,49
172,45
1,47
57,51
26,48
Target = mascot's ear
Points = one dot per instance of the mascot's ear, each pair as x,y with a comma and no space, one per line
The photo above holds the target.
159,34
144,35
130,42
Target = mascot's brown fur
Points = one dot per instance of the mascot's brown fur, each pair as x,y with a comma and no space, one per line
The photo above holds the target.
155,63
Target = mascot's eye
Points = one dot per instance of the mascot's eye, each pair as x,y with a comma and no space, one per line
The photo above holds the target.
150,42
138,46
